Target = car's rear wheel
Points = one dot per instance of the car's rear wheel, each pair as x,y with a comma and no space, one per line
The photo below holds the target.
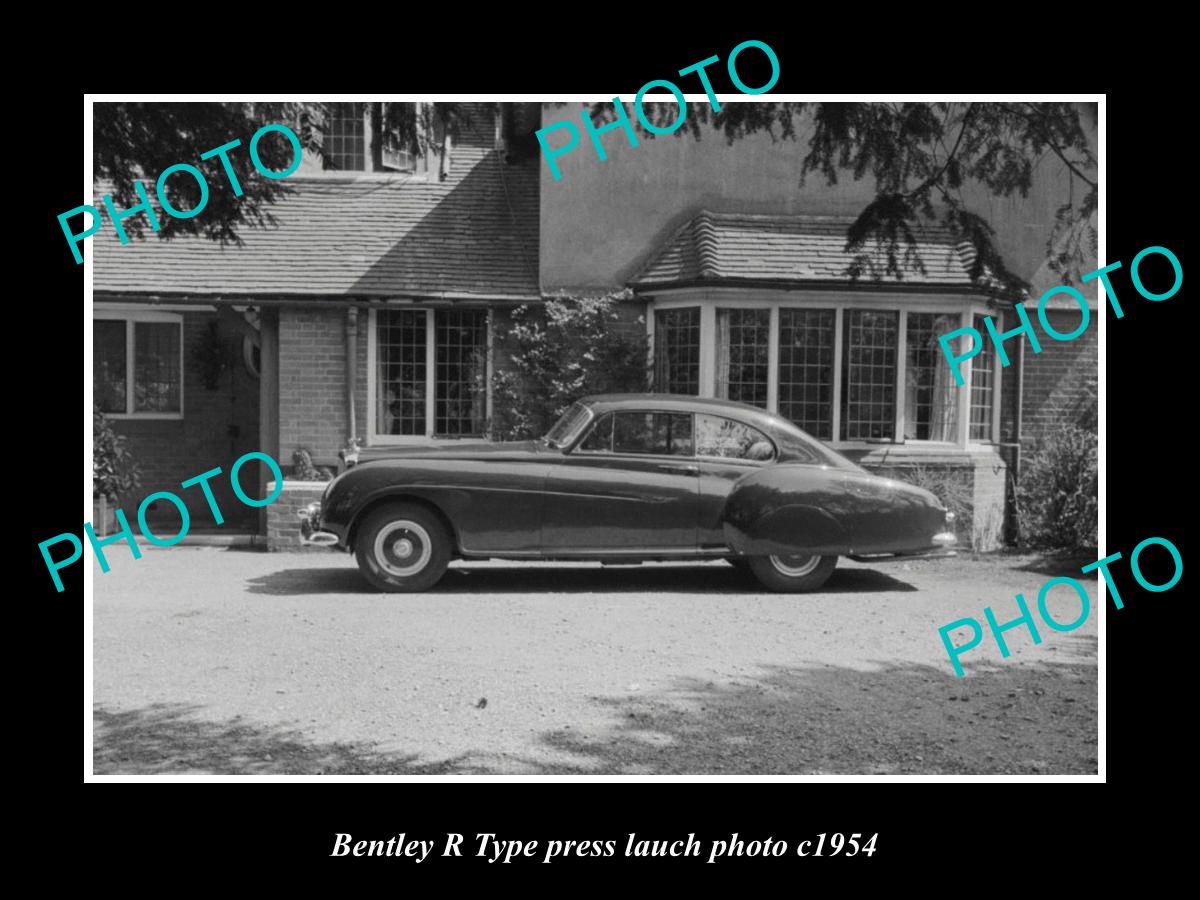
793,574
402,547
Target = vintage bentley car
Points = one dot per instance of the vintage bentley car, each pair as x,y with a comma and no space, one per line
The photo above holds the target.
626,479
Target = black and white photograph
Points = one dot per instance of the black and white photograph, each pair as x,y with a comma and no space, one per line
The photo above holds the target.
703,434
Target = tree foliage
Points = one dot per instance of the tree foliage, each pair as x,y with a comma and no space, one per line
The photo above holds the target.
560,351
137,141
920,156
115,471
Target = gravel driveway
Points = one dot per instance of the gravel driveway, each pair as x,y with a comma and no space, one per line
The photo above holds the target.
238,662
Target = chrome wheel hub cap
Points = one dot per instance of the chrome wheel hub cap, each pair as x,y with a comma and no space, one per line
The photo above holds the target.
403,548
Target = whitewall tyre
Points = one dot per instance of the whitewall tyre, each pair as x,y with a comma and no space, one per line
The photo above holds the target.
403,547
793,574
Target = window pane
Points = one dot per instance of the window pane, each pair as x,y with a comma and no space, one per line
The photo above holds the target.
679,437
677,350
930,395
743,338
662,433
806,369
108,365
344,137
869,374
391,154
717,436
461,406
982,394
402,391
156,371
601,438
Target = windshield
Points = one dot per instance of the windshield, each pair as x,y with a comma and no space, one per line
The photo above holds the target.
567,428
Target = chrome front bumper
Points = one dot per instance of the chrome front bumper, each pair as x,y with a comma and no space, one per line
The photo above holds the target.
310,528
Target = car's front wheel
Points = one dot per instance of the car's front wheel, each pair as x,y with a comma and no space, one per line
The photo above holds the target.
402,547
793,574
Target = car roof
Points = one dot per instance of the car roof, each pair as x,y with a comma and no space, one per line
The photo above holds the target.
602,403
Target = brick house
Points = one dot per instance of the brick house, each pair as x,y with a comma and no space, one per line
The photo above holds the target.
372,309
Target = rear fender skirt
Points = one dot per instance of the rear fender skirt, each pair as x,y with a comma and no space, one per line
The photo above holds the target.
789,529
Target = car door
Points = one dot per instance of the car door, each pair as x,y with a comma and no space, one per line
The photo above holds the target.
726,452
630,485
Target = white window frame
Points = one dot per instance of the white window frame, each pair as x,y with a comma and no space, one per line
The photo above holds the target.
369,172
374,438
130,316
709,299
980,309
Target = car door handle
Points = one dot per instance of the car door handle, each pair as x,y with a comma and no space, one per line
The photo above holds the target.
680,468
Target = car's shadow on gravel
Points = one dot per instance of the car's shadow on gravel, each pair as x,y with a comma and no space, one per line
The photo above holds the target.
896,718
492,579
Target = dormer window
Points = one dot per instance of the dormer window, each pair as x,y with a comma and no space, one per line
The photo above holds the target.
346,137
356,139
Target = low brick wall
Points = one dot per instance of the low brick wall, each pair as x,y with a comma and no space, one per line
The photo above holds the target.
283,520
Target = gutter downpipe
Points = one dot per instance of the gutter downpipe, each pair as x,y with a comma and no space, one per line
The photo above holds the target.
351,360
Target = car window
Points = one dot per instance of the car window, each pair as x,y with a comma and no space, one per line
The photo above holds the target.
568,426
668,434
600,439
725,438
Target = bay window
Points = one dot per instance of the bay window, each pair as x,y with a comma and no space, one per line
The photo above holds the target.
982,381
870,341
854,371
742,355
806,369
677,350
429,373
930,394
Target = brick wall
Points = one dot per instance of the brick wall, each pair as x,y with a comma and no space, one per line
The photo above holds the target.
218,426
1059,381
283,520
312,382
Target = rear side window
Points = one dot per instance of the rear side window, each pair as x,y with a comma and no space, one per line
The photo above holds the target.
665,434
600,440
727,439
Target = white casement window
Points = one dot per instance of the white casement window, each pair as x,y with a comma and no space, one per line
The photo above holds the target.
743,355
137,364
429,373
355,141
852,372
345,138
677,350
984,379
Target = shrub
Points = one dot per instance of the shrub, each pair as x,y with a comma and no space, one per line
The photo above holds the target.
561,351
115,473
951,485
1057,492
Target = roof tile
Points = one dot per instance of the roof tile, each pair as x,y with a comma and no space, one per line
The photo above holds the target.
716,247
475,233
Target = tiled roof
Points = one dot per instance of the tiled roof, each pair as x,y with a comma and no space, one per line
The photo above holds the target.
474,234
735,247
